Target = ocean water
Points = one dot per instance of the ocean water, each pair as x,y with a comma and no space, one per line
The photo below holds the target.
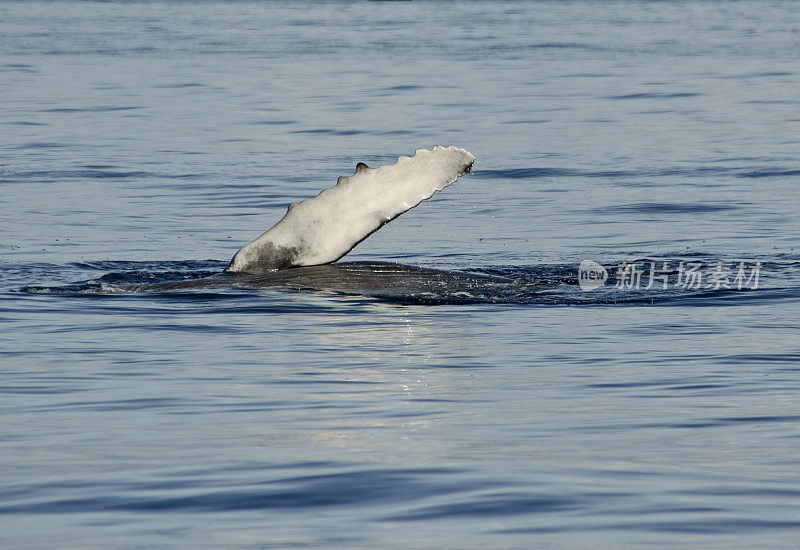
148,402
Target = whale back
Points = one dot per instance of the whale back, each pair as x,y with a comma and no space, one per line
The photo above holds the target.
323,229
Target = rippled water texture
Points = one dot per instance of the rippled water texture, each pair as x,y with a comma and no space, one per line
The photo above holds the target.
471,394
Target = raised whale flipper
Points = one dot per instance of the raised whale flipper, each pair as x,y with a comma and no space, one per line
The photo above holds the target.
323,229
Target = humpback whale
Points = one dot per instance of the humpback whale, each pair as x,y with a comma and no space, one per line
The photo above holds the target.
299,251
321,230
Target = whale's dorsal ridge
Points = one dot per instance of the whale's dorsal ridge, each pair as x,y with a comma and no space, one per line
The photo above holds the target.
322,229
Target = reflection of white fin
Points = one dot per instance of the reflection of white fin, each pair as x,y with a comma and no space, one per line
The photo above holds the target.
323,229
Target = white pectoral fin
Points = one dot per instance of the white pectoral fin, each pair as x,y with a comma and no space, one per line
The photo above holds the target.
322,229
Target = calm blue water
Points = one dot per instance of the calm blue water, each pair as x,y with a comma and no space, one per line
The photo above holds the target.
144,143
